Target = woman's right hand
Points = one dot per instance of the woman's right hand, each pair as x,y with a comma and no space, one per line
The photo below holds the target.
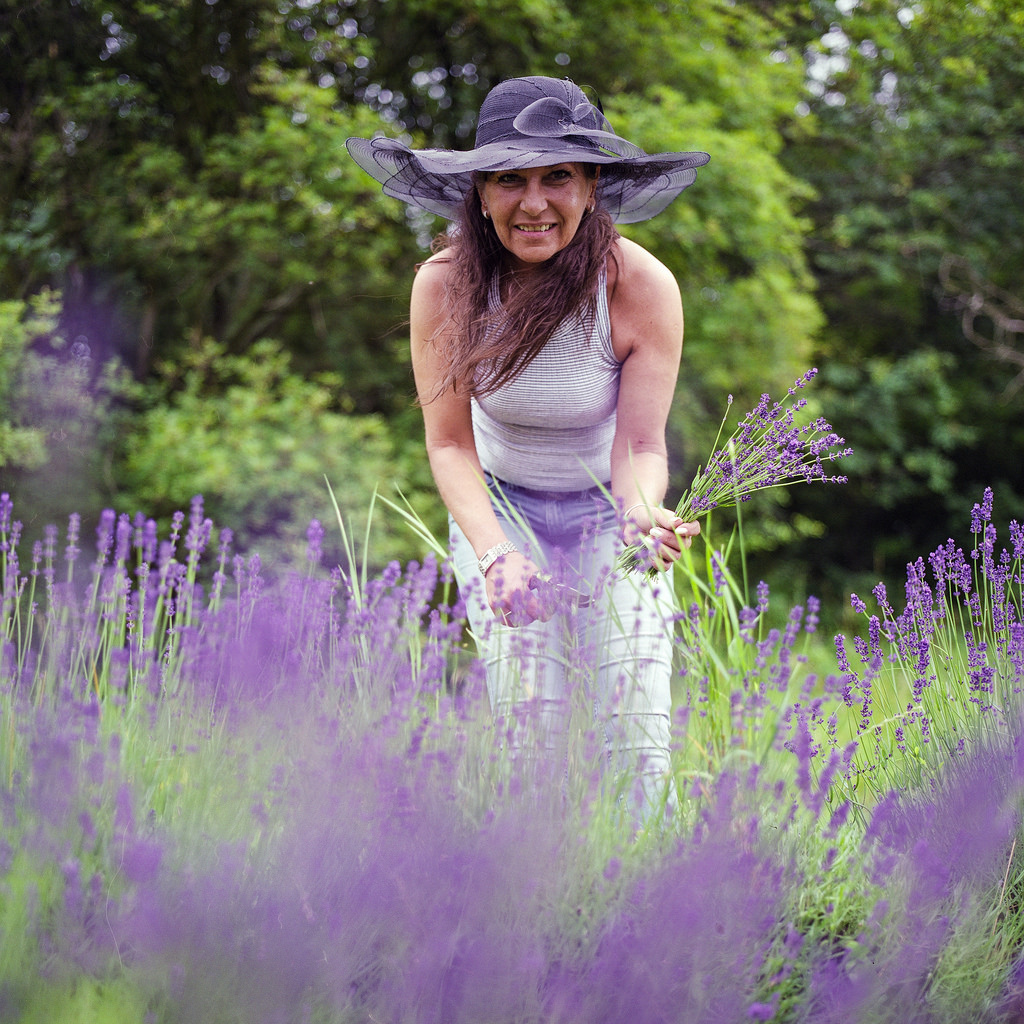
509,593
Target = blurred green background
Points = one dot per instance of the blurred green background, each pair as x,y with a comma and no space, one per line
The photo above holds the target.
201,293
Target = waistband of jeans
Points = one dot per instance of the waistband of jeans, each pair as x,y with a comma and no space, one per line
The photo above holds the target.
597,491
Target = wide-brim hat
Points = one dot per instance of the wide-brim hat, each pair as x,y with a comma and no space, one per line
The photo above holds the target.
532,122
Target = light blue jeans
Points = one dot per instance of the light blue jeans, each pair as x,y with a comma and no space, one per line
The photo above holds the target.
615,651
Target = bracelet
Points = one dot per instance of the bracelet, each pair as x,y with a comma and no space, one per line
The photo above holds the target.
491,555
633,508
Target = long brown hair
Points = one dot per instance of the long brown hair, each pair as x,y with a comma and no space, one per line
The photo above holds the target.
484,348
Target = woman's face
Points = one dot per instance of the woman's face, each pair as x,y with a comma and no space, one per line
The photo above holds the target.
536,211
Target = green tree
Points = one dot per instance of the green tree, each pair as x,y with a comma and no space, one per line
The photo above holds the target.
735,244
178,170
172,172
915,158
430,62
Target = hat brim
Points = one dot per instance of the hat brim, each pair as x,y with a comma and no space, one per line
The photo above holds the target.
631,188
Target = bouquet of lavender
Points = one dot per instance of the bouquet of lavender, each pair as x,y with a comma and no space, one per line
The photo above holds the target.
766,450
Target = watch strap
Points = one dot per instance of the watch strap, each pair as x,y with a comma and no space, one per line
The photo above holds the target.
491,555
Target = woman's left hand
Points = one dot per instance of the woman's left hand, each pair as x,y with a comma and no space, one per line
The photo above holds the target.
662,532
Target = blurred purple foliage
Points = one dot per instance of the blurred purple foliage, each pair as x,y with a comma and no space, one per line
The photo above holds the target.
366,885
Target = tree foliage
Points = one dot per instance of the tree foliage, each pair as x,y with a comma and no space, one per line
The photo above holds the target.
176,171
914,160
176,177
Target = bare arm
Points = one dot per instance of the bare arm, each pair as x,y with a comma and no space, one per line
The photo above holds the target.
647,333
452,453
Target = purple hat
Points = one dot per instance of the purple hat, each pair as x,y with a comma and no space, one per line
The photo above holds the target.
532,122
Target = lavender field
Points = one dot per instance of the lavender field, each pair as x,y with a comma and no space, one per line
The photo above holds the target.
259,794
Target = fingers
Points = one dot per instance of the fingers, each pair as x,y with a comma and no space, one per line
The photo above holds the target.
660,531
540,600
675,534
668,537
520,608
510,594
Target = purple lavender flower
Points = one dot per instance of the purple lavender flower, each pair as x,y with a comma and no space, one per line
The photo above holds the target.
802,745
813,608
841,655
718,573
49,554
123,538
1017,538
49,542
792,630
314,542
104,536
982,513
72,550
874,634
11,542
748,618
223,553
366,842
177,521
988,550
766,450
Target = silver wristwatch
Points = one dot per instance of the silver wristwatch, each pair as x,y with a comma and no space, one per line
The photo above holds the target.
491,555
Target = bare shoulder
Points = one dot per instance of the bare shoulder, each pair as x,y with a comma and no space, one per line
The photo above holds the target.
428,289
644,299
432,274
637,270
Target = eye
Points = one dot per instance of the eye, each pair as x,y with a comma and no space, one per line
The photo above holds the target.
560,174
508,178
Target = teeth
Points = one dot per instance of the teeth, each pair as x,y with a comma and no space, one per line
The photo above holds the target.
534,228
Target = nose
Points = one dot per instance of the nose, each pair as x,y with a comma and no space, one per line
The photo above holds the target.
534,201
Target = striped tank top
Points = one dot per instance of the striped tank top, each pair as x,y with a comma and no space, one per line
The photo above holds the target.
552,427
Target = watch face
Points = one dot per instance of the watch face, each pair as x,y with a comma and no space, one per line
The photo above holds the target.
493,554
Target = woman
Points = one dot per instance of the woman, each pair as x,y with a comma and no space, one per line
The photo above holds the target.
545,349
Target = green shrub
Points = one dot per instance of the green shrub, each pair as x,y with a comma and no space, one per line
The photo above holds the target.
257,440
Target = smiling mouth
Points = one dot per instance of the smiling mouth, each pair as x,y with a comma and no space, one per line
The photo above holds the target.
534,229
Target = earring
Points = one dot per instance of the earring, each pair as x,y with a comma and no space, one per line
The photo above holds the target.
487,215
